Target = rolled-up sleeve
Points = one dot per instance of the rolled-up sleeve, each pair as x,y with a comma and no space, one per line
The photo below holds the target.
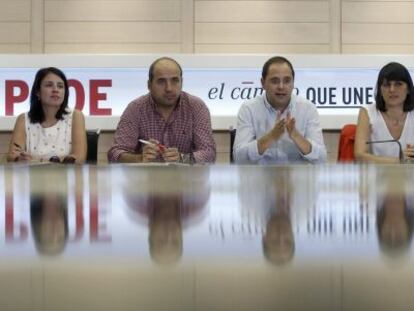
204,144
314,135
126,134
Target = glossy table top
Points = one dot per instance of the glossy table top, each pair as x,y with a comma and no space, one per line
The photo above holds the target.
131,237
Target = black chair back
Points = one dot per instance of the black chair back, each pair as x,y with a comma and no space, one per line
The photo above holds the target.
232,137
92,137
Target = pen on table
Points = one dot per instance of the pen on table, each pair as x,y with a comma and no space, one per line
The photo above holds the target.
146,142
20,151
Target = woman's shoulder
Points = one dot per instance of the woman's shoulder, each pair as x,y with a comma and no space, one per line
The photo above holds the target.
21,117
410,120
72,113
20,121
370,108
77,113
372,111
78,118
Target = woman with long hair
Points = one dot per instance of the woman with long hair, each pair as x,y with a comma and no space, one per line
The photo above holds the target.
49,131
390,119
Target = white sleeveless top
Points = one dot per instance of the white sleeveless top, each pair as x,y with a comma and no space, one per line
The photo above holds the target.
43,143
379,131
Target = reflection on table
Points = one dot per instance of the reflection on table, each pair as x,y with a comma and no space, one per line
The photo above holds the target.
206,237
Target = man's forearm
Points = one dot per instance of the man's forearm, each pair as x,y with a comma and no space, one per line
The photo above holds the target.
127,157
301,142
266,141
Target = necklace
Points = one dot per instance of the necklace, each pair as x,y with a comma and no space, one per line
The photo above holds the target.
396,121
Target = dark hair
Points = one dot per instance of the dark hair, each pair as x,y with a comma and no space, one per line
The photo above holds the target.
276,60
394,72
37,210
152,67
395,248
270,250
36,114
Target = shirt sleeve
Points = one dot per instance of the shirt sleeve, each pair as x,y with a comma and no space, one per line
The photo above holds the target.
126,134
245,148
204,144
313,134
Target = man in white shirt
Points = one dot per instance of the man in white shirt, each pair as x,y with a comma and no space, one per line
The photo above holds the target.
278,126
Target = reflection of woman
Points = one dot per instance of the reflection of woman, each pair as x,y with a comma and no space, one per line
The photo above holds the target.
49,219
50,128
392,118
165,230
394,224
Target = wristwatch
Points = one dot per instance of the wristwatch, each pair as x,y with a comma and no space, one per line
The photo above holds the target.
187,158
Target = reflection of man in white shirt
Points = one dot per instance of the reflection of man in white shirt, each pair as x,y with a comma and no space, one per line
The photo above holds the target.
278,127
265,198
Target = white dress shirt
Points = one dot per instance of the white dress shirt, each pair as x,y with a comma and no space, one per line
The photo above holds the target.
257,117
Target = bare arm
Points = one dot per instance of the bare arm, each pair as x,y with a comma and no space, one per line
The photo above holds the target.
17,145
79,145
362,135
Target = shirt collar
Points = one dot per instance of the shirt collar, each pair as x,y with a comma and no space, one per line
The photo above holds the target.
154,105
290,107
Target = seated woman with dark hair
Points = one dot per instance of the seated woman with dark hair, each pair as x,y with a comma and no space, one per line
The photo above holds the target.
391,118
49,219
395,224
50,131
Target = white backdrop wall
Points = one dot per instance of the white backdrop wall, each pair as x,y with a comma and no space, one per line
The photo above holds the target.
206,26
102,85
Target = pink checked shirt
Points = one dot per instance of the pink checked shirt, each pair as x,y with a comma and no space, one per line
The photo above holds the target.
188,128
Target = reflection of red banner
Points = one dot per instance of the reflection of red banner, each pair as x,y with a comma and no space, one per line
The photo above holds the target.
96,233
17,91
9,216
21,234
79,221
17,231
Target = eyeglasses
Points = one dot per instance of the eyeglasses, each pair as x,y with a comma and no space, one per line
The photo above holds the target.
187,158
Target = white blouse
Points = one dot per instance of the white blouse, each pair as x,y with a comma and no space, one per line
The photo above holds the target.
379,131
43,143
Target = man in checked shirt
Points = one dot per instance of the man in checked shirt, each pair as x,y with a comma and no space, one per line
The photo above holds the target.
177,125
